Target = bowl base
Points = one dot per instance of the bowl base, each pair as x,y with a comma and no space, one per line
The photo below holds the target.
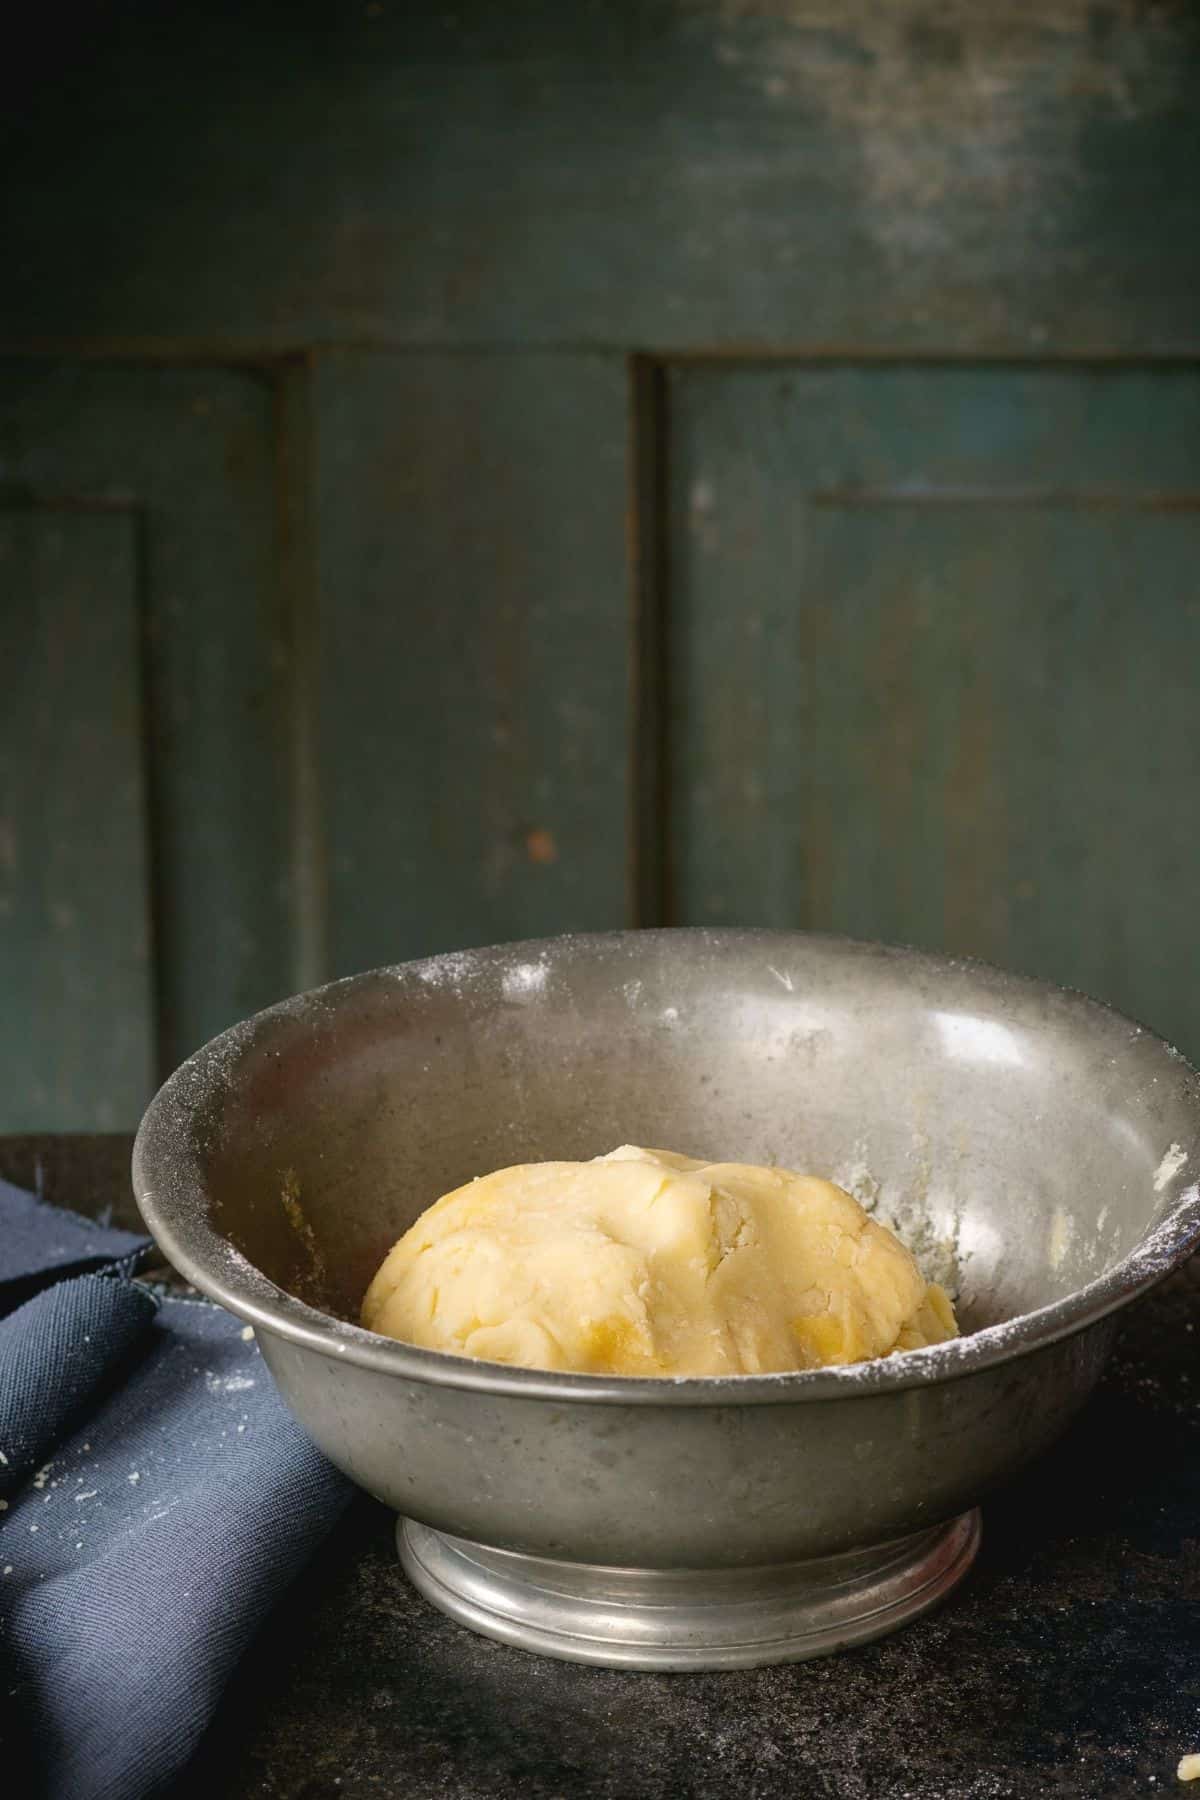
688,1618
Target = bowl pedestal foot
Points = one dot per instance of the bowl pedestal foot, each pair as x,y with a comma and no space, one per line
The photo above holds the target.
688,1618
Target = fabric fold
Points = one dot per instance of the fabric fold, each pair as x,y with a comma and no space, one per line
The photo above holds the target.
159,1497
59,1353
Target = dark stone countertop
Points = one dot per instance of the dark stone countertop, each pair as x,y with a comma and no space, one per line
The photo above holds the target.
1067,1664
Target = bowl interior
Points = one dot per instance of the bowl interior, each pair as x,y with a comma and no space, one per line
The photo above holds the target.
1022,1140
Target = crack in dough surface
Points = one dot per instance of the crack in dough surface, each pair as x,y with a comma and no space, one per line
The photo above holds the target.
646,1262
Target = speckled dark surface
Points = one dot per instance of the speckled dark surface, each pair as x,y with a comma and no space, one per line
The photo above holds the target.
1067,1664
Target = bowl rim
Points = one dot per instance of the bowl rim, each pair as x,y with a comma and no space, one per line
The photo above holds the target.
175,1211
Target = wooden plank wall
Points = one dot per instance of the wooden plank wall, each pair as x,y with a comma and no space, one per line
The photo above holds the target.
934,650
672,175
474,648
75,923
192,452
685,459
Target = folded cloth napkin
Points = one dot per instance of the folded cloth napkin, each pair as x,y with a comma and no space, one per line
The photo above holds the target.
155,1497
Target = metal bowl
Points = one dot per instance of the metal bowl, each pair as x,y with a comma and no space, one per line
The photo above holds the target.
1036,1150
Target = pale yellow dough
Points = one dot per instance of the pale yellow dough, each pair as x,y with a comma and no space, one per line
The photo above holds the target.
648,1263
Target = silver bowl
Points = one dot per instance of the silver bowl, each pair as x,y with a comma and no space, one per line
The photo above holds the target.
1035,1149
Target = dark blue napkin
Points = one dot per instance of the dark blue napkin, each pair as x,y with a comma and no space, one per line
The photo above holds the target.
157,1497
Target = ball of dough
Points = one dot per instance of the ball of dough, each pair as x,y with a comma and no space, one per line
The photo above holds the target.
644,1262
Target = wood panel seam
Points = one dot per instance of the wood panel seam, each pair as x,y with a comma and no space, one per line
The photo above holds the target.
298,565
648,897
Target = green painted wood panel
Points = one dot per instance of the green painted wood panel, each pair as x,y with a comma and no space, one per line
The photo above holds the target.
934,644
77,1043
474,648
680,174
194,451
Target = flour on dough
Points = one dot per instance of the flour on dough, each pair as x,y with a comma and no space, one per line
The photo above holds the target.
644,1262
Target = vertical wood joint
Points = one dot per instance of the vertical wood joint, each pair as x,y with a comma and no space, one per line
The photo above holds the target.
298,579
649,899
